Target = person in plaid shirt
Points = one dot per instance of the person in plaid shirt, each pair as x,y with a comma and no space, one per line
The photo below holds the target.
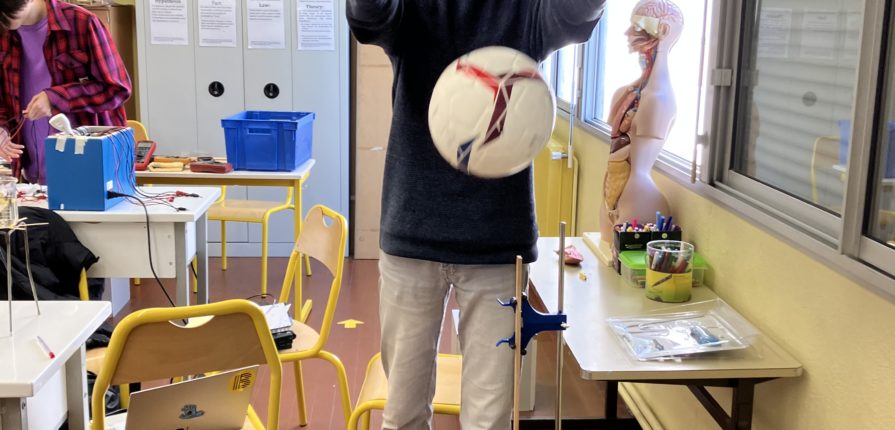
55,57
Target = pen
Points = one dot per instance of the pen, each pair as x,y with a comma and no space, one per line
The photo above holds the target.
43,346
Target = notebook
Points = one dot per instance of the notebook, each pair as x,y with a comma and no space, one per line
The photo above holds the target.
217,402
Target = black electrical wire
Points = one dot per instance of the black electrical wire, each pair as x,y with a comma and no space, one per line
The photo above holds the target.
148,240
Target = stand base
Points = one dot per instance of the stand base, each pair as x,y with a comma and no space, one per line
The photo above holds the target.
601,248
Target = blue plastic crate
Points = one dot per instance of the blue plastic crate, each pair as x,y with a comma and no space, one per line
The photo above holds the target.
81,170
271,141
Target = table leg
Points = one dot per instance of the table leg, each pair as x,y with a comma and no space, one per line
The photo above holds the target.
76,389
13,414
181,262
299,212
611,405
741,411
304,307
202,259
740,417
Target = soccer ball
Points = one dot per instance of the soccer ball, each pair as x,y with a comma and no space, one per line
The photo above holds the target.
491,112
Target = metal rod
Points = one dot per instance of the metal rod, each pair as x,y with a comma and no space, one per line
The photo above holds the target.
28,268
9,278
517,350
559,337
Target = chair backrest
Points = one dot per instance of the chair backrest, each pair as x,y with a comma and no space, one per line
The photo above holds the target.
150,344
140,132
323,236
824,156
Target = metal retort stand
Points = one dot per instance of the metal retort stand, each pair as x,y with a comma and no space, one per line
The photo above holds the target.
7,232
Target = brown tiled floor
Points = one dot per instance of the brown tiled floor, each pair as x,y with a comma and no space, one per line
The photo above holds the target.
354,347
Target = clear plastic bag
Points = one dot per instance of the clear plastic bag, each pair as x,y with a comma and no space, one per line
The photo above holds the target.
694,328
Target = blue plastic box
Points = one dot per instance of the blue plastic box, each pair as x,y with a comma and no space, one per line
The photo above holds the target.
81,170
272,141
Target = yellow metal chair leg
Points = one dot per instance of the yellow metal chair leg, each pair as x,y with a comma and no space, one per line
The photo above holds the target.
365,423
343,381
223,245
125,392
300,394
361,413
264,255
83,291
193,276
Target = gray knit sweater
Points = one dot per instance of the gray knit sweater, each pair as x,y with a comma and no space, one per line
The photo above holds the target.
431,211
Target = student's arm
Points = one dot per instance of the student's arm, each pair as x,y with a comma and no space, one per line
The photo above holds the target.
563,22
109,85
8,149
375,21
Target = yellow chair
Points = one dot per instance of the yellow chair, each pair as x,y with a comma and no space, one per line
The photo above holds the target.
374,392
253,211
147,345
824,155
140,132
322,238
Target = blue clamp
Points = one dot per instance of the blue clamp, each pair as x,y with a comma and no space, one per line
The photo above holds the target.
533,322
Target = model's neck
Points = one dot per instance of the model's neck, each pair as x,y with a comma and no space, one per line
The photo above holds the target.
660,74
37,11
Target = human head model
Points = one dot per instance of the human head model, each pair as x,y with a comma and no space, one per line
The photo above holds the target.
654,23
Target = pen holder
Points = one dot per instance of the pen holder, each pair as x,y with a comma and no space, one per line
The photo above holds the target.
666,235
669,275
628,241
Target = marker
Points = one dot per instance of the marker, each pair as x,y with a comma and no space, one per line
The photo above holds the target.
43,346
668,224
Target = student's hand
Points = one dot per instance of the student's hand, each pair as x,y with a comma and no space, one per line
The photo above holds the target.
39,107
9,150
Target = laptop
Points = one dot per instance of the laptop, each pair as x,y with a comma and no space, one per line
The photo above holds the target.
217,402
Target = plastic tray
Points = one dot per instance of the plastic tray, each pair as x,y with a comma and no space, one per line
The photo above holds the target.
698,328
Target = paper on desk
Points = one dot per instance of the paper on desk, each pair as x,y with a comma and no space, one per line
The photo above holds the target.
277,316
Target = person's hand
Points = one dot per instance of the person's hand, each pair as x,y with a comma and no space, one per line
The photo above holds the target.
39,107
8,149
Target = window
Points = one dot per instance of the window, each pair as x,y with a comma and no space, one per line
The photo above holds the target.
804,128
611,66
882,213
565,72
797,78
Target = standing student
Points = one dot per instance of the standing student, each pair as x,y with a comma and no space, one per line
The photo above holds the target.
55,57
441,228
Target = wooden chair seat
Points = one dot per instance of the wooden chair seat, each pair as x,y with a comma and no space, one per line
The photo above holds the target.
241,210
95,359
305,338
374,392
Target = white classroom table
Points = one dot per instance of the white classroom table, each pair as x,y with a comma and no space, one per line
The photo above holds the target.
118,237
34,389
603,294
294,179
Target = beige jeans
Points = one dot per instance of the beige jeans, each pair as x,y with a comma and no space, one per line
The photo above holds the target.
413,295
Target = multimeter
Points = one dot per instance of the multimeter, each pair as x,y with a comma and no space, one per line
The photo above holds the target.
144,151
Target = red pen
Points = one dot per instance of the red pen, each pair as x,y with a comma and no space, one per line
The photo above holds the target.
43,346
